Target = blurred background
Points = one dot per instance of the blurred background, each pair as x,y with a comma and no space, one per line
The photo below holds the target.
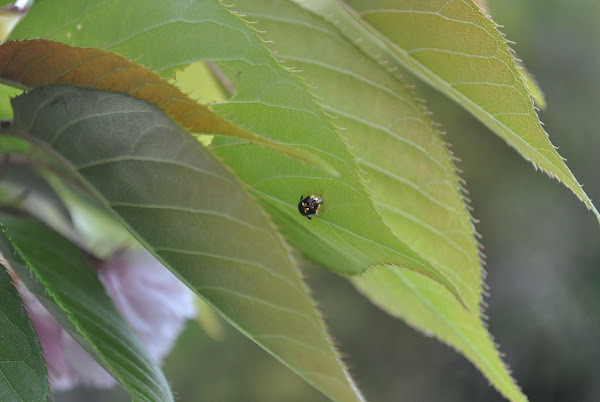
541,242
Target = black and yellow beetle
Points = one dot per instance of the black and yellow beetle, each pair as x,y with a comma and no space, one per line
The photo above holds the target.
310,206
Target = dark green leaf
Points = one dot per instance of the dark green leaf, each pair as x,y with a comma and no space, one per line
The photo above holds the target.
23,375
193,215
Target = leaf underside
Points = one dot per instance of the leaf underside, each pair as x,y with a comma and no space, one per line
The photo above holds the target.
193,215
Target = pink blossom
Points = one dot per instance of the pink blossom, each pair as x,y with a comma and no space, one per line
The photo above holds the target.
152,300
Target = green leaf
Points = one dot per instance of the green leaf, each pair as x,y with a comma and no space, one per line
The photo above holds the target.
193,215
455,48
406,166
534,89
23,374
7,92
99,233
15,150
10,144
430,308
70,290
34,63
408,171
198,80
350,236
41,185
21,187
532,86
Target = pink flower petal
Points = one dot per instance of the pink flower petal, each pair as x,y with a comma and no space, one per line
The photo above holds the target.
150,298
87,371
154,302
60,374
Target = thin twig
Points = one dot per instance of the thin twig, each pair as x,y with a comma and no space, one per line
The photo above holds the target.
225,83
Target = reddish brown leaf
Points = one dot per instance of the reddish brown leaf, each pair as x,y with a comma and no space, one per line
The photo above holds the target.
35,63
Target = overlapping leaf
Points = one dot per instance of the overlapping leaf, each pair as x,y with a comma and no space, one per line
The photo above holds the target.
36,182
58,274
430,308
34,63
454,47
7,92
408,171
350,236
408,168
192,214
21,187
23,374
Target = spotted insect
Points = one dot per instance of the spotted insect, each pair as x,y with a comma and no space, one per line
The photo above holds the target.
310,206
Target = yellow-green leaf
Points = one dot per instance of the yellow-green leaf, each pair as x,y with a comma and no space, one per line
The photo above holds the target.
408,171
430,308
534,89
454,47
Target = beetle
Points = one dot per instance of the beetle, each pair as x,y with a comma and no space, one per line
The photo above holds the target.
310,205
